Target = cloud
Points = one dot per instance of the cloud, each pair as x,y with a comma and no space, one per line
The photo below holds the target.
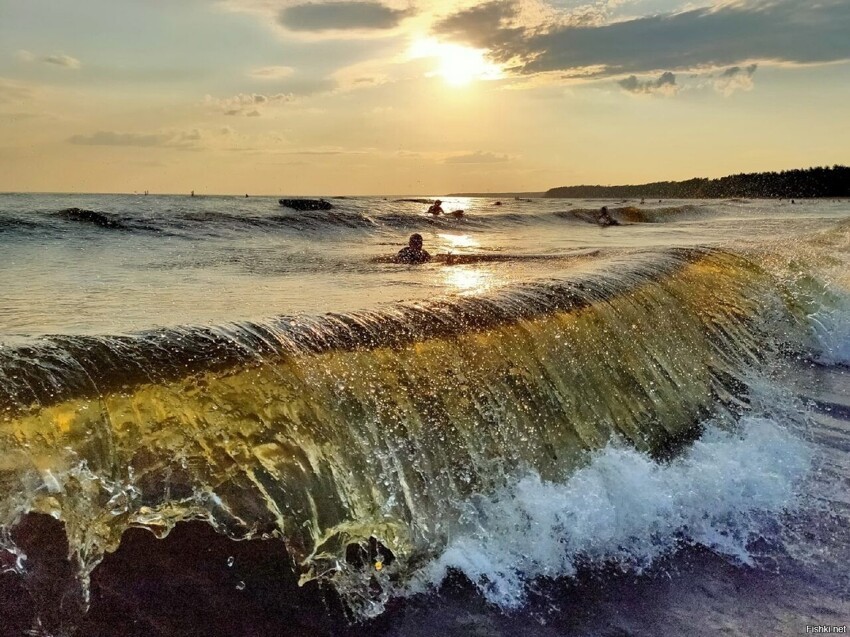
62,60
271,72
111,138
328,152
194,139
247,104
486,26
734,79
478,157
57,59
327,16
665,85
728,34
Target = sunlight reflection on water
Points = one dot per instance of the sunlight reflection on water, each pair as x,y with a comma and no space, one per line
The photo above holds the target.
468,280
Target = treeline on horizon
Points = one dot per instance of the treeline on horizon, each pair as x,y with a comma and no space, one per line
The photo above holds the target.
800,183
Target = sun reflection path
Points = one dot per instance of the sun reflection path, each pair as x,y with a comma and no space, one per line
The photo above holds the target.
468,280
459,240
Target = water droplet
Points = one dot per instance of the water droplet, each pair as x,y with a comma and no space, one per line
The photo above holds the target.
240,586
230,561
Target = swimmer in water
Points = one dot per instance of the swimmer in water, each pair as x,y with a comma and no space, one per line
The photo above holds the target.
436,208
603,218
413,254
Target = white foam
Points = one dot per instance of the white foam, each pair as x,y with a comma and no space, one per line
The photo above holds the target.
626,508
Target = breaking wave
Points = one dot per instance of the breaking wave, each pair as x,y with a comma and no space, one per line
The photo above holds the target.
382,428
627,509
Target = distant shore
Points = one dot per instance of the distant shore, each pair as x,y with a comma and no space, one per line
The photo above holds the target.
806,183
499,195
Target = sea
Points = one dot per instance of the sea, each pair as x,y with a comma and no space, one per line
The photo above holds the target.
222,416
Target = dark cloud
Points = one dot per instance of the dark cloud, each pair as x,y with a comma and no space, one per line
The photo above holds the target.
737,70
482,19
326,16
488,26
248,104
735,78
666,84
721,36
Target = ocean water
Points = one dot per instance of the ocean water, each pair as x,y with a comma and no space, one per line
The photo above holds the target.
221,416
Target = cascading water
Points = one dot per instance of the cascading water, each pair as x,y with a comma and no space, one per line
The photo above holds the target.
331,431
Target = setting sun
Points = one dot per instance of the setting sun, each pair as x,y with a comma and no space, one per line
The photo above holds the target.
458,65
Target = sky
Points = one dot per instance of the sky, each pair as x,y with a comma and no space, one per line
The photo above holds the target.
415,97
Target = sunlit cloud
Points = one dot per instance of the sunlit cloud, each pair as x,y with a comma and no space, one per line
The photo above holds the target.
478,157
773,31
457,65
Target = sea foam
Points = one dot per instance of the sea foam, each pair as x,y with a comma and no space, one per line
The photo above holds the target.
627,509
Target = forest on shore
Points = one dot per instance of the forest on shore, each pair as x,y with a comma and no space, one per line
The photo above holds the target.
801,183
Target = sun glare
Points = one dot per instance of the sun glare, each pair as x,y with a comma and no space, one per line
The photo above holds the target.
468,281
457,65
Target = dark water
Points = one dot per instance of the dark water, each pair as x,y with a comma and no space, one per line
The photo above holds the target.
218,416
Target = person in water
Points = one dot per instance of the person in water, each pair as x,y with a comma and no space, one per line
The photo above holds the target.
603,218
436,208
413,253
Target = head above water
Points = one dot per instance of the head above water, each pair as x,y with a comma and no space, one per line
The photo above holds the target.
437,202
416,241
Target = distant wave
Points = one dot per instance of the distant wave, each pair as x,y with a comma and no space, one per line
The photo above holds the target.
353,216
634,214
100,219
107,221
205,222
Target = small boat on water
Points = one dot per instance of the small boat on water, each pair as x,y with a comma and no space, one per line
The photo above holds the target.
306,204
